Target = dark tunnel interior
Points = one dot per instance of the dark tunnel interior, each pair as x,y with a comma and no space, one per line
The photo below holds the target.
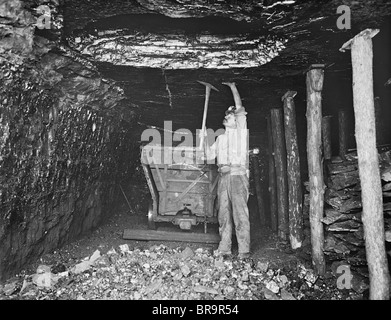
77,95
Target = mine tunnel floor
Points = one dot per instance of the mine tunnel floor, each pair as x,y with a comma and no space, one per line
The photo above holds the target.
154,270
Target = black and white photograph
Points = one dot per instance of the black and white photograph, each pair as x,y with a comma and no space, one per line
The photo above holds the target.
195,158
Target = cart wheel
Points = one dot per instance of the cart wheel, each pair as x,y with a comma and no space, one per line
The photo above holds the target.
151,222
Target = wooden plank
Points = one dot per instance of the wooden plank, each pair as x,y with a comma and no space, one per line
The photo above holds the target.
295,205
280,162
157,235
272,179
150,182
189,181
189,175
368,162
162,184
314,81
152,188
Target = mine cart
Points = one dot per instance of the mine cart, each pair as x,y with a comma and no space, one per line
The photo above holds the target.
183,191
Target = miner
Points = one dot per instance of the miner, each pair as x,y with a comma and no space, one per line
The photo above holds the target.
231,152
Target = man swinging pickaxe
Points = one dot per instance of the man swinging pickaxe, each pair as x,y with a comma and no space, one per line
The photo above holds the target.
231,152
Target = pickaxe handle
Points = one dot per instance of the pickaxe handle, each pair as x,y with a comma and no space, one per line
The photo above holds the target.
208,87
207,95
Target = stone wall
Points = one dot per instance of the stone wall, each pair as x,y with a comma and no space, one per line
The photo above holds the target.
66,140
344,236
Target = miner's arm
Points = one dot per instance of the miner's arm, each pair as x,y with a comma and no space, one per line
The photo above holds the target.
238,110
236,95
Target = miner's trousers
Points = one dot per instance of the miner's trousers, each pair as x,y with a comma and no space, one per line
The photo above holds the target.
233,193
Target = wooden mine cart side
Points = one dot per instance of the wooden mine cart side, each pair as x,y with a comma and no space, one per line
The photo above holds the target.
183,192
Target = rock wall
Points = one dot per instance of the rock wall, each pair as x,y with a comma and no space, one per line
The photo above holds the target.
66,140
344,236
344,243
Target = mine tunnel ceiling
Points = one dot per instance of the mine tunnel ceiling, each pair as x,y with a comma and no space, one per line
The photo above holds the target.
156,41
156,50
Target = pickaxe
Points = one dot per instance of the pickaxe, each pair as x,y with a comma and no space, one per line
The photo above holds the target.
207,94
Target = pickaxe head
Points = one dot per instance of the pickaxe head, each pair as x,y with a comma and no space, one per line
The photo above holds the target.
207,85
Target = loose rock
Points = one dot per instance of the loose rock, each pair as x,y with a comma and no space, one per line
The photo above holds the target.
202,289
285,295
270,295
273,286
262,266
187,253
45,280
43,269
185,270
10,288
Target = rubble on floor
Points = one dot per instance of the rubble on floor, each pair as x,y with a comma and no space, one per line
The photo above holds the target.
164,273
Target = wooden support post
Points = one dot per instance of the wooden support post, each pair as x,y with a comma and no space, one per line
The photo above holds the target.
342,133
295,196
315,168
281,176
368,163
272,180
326,137
258,190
